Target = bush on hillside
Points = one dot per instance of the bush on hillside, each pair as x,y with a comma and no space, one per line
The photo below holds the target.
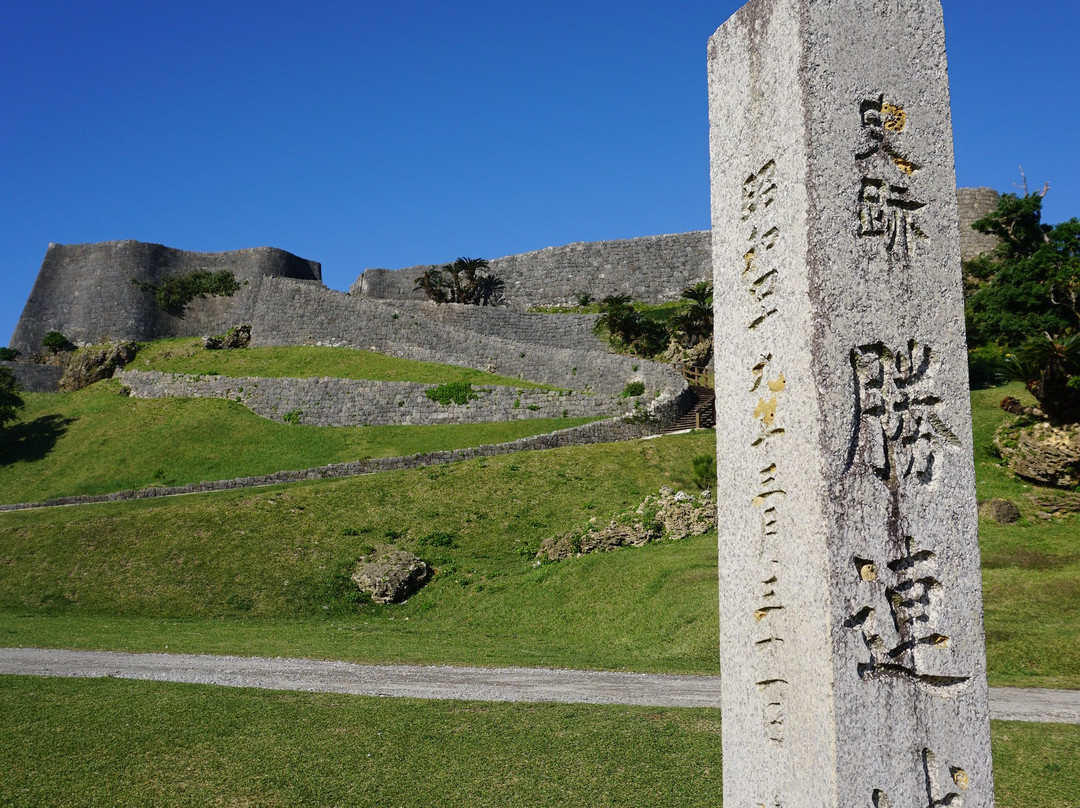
1050,370
10,400
8,354
55,342
704,471
986,366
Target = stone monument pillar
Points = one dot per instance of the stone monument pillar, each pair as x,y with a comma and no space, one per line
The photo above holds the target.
852,649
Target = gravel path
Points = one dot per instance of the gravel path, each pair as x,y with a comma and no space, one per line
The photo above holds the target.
441,682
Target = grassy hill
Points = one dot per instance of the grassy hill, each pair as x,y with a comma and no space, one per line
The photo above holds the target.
265,572
96,441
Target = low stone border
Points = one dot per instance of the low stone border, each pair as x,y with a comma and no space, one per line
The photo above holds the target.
360,402
609,431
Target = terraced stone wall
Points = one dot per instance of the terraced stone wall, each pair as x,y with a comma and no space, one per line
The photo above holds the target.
352,402
294,313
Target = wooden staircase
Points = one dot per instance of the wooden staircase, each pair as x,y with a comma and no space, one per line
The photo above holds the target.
702,415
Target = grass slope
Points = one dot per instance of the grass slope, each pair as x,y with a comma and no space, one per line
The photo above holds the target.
185,355
242,561
266,572
95,441
121,743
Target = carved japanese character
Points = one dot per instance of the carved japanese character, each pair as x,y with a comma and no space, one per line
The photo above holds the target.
945,785
897,429
759,190
885,209
895,613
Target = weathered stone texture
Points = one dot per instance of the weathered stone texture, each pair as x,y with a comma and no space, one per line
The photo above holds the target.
355,402
85,291
652,268
33,378
851,616
973,204
293,313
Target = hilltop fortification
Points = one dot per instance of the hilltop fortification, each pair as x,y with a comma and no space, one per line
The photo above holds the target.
86,291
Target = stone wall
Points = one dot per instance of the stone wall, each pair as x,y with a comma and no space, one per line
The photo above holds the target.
354,402
608,431
974,203
33,378
85,291
294,313
653,268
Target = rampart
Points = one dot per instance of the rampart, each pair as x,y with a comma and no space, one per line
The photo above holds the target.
973,204
294,313
33,378
354,402
654,269
85,291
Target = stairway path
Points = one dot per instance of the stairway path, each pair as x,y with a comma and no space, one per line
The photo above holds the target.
459,683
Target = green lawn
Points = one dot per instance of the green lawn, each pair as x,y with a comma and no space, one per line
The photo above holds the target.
265,571
96,441
241,562
126,743
185,355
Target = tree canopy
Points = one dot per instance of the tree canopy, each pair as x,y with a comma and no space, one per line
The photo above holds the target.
1027,287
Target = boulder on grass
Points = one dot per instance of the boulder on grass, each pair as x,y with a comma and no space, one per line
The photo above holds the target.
391,576
89,365
1002,511
669,516
1041,452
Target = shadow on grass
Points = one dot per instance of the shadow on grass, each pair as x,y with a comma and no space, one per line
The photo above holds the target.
31,440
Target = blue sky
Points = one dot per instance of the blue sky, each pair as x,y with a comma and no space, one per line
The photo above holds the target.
386,134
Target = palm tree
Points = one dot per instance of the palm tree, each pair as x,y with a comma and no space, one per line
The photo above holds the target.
695,322
464,277
433,283
617,315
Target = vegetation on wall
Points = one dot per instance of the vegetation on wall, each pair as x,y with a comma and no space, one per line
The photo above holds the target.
466,280
8,354
175,293
452,392
55,342
670,331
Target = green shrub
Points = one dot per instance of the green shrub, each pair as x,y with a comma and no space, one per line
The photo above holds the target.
633,389
986,366
293,417
8,354
704,470
56,342
175,293
456,392
10,400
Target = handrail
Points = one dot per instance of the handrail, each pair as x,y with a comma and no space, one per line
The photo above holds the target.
699,376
